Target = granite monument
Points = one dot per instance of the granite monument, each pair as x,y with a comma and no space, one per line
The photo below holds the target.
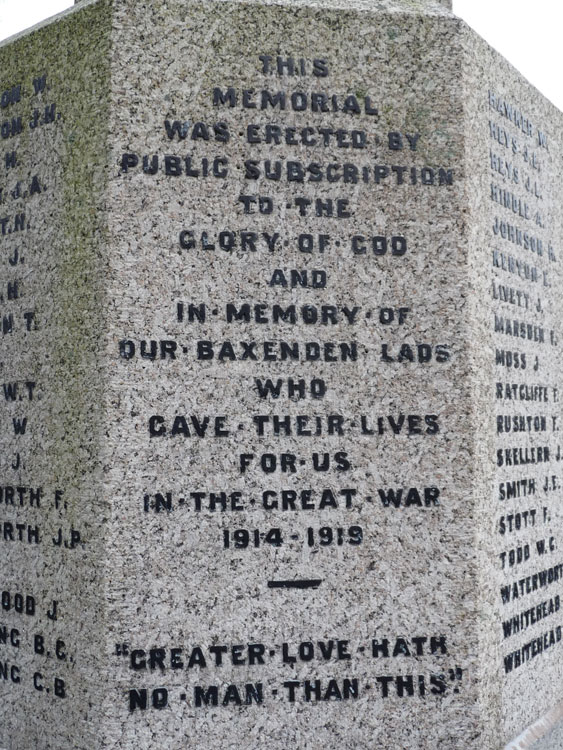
280,381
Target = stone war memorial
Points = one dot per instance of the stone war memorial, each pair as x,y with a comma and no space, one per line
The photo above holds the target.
280,382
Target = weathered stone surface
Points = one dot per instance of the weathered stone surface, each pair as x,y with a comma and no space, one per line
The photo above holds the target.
280,364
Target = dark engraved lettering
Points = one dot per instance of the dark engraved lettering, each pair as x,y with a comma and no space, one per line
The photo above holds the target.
532,649
426,497
232,695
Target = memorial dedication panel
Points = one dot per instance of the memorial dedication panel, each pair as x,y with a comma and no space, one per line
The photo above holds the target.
285,437
280,365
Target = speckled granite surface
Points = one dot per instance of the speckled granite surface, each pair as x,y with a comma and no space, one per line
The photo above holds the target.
280,310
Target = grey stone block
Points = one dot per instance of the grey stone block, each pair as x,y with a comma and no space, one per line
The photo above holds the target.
280,361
